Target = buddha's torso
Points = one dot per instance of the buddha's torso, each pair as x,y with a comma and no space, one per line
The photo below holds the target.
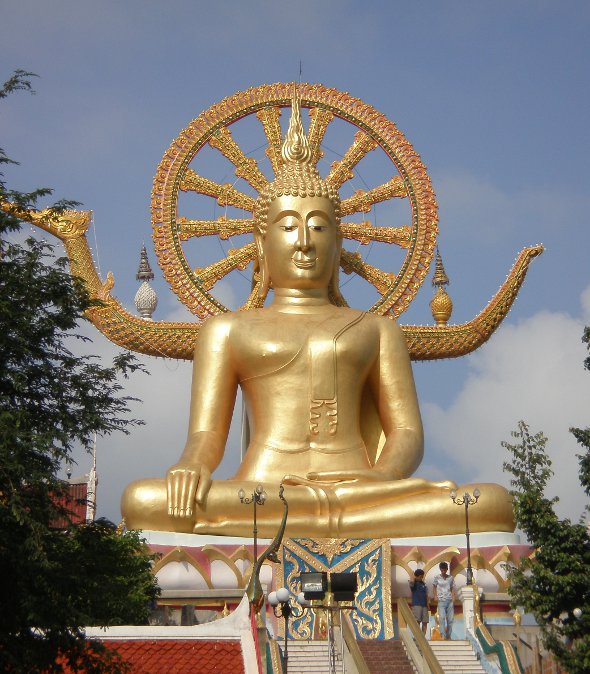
302,377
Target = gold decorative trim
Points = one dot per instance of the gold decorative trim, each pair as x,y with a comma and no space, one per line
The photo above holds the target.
180,555
341,170
222,227
246,167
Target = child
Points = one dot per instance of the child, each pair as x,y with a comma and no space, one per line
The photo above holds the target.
420,599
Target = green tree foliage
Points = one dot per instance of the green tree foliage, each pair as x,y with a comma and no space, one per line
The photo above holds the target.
555,585
114,583
54,581
583,435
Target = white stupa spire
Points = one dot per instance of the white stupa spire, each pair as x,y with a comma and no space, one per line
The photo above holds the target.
146,299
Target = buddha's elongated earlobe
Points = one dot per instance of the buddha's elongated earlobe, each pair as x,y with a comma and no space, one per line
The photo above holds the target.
334,288
264,276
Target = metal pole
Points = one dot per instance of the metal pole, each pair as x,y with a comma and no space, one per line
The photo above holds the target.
469,569
331,644
286,617
255,500
341,640
258,498
467,500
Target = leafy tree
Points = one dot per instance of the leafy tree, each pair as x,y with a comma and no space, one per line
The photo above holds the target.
53,581
583,435
114,583
555,585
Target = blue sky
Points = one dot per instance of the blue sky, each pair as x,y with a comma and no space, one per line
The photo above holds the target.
493,96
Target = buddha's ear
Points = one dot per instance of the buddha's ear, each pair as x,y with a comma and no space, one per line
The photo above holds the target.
334,287
264,283
335,295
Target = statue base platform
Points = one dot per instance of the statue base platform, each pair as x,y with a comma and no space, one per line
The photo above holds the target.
209,573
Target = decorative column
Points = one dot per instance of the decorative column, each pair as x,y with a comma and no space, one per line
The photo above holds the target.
467,594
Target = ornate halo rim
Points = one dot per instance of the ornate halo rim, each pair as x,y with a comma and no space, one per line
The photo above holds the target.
183,280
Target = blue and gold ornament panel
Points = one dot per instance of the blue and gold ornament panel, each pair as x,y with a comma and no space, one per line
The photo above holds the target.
370,559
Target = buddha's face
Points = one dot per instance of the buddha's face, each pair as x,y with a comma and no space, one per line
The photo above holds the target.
302,242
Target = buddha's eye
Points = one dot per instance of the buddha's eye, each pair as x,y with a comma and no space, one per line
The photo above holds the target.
288,224
317,223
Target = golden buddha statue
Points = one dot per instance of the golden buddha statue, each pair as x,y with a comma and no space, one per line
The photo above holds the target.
318,378
329,392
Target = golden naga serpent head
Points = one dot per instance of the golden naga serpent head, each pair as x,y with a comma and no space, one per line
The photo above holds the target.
62,223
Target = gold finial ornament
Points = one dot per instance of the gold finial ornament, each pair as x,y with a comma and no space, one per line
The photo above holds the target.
517,617
441,304
296,148
440,277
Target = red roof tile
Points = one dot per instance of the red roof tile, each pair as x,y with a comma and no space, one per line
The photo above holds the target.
74,500
179,656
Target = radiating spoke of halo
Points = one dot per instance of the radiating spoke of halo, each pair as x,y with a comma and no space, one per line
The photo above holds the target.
341,170
236,259
246,167
320,118
270,118
364,232
362,201
353,262
222,227
226,194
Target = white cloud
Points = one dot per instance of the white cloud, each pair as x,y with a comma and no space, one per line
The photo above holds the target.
531,371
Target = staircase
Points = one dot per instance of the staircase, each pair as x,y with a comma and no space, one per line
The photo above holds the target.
311,657
456,657
386,656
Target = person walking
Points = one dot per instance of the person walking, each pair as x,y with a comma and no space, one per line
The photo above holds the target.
443,591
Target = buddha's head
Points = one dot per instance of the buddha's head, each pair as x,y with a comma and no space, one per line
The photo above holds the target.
297,222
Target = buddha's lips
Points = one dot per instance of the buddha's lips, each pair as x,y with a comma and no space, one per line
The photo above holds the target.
303,262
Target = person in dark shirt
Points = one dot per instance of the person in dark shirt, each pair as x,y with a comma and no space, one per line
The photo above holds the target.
420,599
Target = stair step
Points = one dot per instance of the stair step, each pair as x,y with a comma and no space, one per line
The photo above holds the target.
386,656
456,657
310,657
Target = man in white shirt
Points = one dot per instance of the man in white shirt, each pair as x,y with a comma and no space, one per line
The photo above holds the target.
443,589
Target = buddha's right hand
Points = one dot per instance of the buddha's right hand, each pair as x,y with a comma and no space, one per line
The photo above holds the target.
186,484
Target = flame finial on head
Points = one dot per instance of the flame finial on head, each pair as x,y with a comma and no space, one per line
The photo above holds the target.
296,146
298,175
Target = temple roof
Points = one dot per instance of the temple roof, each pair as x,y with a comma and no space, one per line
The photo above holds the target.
181,656
74,499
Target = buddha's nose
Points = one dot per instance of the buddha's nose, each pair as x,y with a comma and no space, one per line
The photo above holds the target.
303,239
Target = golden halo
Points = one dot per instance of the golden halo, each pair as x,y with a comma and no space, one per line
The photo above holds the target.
213,129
